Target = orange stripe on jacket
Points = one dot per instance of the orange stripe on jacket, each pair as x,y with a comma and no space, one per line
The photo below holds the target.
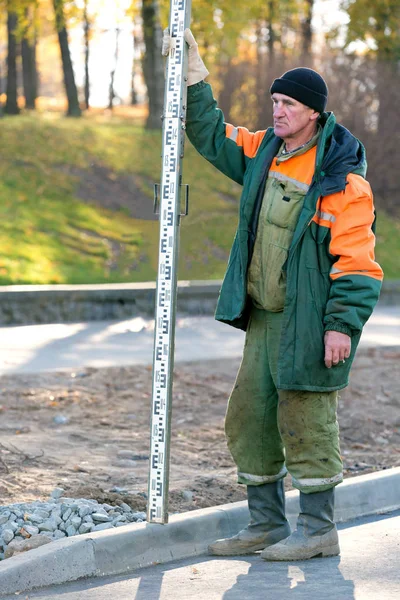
250,142
352,239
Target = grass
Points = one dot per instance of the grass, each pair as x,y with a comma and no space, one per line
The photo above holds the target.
49,235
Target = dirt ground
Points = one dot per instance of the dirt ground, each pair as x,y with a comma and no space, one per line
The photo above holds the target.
71,429
115,191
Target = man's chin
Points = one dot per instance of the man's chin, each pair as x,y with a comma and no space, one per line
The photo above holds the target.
279,131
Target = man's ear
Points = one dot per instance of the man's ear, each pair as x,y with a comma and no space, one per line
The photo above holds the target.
314,116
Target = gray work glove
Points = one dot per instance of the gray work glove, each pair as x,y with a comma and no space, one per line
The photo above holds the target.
197,71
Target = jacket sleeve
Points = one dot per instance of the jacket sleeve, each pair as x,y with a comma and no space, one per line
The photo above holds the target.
230,149
356,277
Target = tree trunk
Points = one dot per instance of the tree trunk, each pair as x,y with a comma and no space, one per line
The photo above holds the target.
86,29
271,32
134,99
1,92
29,66
153,68
133,89
386,176
112,93
11,107
29,72
227,74
306,29
69,77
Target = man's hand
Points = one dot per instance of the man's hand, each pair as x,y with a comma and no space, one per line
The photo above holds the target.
166,42
197,71
337,347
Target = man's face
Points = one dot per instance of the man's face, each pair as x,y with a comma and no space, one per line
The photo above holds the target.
291,117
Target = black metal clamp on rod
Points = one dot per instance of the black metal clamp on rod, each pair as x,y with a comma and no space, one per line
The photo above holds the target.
156,206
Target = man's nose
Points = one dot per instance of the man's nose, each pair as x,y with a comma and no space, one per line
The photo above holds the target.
278,109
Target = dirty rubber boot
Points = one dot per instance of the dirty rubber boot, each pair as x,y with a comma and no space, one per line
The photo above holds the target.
268,524
316,533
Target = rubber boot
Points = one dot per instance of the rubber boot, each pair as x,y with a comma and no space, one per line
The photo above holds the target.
316,533
268,524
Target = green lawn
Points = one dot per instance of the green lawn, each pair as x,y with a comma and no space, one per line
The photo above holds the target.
49,235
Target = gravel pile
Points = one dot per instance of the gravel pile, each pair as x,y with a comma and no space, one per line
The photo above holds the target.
30,525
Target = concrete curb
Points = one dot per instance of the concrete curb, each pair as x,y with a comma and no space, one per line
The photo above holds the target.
28,304
39,304
128,548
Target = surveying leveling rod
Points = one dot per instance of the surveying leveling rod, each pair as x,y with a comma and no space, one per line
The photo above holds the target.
164,333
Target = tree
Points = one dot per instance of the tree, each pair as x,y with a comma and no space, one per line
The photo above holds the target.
136,39
378,24
69,77
87,12
111,94
11,107
1,92
307,33
86,32
226,32
28,53
153,67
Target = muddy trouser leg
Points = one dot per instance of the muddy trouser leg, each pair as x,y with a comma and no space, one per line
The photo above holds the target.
310,433
251,425
254,441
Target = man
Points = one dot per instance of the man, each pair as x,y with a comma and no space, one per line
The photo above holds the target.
302,281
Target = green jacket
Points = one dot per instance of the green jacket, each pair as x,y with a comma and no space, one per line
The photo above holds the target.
333,282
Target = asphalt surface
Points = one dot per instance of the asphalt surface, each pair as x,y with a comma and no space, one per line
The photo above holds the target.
368,569
35,348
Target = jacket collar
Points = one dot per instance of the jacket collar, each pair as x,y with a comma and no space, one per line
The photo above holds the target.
338,154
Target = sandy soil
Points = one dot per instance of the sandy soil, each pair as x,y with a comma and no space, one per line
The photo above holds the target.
107,412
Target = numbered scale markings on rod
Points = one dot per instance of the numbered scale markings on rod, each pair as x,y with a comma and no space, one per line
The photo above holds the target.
173,141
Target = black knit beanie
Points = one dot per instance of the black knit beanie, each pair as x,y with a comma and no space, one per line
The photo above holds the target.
304,85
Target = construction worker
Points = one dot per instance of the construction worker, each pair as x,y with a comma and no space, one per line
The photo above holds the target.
301,281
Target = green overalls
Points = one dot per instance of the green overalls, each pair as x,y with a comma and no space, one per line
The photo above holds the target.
270,431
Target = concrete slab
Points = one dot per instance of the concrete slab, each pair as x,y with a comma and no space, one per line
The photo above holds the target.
35,348
366,570
128,548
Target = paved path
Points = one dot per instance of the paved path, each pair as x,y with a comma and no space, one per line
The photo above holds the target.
37,348
368,569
